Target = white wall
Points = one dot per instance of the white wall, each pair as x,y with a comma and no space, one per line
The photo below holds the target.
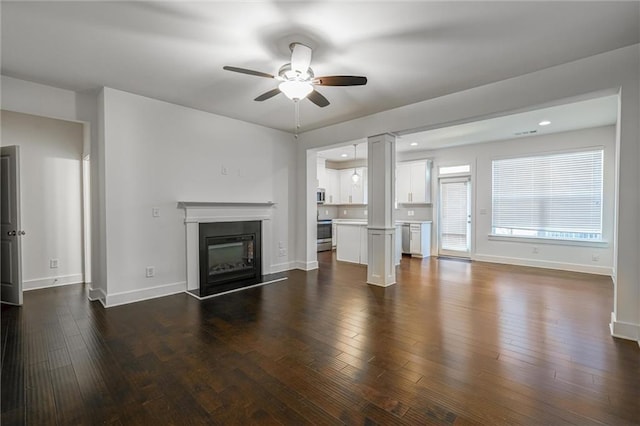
51,196
52,102
520,252
38,99
156,154
617,71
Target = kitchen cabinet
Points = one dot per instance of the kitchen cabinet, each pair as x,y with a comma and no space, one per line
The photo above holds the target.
353,242
334,235
350,248
353,193
321,173
332,188
419,235
413,182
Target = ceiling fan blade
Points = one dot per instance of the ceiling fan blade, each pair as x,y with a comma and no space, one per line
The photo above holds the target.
318,99
267,95
300,57
246,71
340,80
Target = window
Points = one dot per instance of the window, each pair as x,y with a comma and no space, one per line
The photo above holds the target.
556,196
451,170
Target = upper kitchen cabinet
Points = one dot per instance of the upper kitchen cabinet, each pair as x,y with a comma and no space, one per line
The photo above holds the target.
353,192
321,173
332,186
413,182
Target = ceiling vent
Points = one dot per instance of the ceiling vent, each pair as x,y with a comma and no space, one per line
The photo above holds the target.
526,132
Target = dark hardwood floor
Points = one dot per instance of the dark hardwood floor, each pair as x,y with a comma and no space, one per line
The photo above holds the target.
451,343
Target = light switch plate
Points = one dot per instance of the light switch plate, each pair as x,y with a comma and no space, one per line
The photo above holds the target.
155,211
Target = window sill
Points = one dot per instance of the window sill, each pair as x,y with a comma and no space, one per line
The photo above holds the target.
539,240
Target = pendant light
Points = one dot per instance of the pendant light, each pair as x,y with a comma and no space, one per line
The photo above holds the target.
355,177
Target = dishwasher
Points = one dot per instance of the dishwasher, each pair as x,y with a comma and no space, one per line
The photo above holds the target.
406,238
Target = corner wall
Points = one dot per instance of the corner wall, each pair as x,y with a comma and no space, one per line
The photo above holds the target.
51,197
554,255
156,154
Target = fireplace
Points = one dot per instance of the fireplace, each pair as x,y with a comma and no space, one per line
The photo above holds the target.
230,255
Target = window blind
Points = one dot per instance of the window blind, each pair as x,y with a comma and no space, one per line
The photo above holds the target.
454,212
549,196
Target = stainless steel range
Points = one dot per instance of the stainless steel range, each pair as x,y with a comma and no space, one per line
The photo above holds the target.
324,235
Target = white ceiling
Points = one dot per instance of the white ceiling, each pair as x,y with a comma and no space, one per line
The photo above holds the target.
410,51
585,114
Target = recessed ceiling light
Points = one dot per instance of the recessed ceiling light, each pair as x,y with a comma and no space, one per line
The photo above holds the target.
414,144
343,155
544,123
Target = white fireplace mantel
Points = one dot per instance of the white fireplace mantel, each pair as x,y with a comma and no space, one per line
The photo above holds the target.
197,212
203,212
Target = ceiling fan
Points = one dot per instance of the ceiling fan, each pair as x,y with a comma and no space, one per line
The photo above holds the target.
297,80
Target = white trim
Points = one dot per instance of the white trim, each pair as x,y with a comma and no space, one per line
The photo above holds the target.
52,281
122,298
624,330
542,240
306,266
214,204
281,267
237,218
574,267
236,290
94,294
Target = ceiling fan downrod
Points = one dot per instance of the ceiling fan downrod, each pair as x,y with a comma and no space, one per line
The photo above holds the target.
296,104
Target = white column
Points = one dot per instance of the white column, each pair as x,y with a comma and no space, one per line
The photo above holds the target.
381,268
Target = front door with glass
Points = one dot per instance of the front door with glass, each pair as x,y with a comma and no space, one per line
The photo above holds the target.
454,219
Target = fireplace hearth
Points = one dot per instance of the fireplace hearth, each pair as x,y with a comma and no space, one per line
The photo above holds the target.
230,256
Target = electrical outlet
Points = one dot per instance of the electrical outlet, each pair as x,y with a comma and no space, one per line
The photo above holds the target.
595,257
155,211
53,263
150,271
535,250
282,252
410,212
224,170
344,212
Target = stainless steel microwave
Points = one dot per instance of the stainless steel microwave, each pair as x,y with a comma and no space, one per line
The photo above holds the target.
320,196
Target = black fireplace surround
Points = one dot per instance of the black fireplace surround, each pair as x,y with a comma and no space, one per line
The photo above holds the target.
230,256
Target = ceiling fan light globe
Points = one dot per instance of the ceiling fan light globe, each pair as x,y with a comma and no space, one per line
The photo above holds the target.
295,90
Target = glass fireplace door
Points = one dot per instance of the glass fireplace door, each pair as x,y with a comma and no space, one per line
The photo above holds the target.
231,255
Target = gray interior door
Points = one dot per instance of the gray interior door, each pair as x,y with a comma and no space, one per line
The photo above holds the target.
11,233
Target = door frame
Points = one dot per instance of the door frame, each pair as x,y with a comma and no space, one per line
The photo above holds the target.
466,177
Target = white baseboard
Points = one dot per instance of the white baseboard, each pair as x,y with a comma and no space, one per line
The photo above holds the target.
97,294
624,330
281,267
574,267
52,281
306,266
122,298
